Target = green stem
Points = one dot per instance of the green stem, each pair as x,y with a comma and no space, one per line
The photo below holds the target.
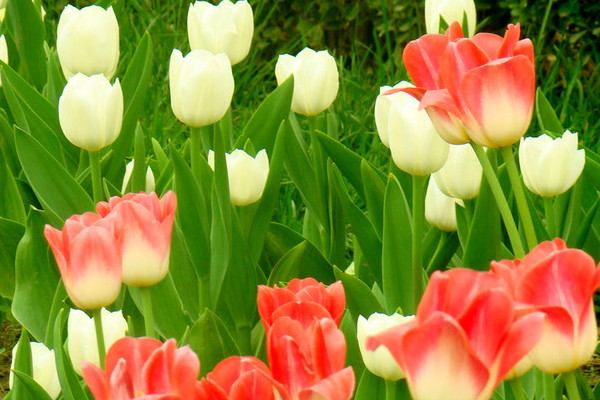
196,150
517,185
540,38
148,315
550,217
97,315
390,390
418,217
507,217
96,175
517,389
244,339
571,383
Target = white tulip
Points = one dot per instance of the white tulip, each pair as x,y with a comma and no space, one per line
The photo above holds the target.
225,28
316,79
450,11
380,362
43,367
440,210
149,178
3,52
81,340
201,86
90,111
247,175
551,167
415,144
383,104
88,41
460,177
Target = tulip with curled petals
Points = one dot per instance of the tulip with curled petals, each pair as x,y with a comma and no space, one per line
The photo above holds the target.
87,41
44,368
86,251
247,175
146,227
90,111
450,11
551,167
224,28
460,176
201,85
316,79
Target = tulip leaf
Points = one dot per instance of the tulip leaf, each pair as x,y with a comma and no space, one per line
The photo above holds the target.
574,214
183,273
353,356
35,278
52,184
11,204
396,262
34,390
10,236
360,300
302,261
7,145
584,228
545,114
337,225
60,295
370,387
374,188
23,364
447,245
56,79
159,154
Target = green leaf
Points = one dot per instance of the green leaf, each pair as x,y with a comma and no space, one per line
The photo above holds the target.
11,204
10,236
138,175
31,387
337,226
302,261
360,300
584,228
374,188
545,114
370,387
353,356
183,273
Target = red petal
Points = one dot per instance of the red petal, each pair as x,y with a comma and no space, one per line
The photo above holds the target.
328,348
489,43
509,44
135,351
207,390
96,380
305,312
422,59
338,386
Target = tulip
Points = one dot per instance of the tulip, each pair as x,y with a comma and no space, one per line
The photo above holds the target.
149,178
480,89
460,176
81,340
551,167
44,368
380,362
90,111
201,86
225,28
383,104
88,41
316,80
440,210
144,367
3,52
247,175
145,244
88,259
450,11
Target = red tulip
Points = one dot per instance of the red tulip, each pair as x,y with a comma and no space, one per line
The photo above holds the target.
479,89
90,265
325,302
560,282
144,368
465,338
147,223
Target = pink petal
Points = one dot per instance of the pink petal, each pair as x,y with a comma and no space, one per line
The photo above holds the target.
489,43
96,380
422,59
135,351
328,347
338,386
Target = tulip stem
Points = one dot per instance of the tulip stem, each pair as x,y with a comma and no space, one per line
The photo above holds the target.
97,315
148,316
507,217
517,389
418,216
548,380
390,390
195,150
571,384
517,185
96,175
550,217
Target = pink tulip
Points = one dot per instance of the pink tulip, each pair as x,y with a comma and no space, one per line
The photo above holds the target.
88,260
465,338
144,369
560,282
147,224
479,89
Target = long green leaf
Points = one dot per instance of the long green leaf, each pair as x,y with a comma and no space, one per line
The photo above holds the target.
10,235
302,261
360,300
545,114
34,390
11,204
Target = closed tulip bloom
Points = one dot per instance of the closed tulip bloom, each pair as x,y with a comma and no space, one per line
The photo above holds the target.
224,28
450,11
440,210
247,175
145,243
551,167
44,368
383,103
88,41
90,111
460,176
81,339
415,145
88,259
149,178
380,362
316,79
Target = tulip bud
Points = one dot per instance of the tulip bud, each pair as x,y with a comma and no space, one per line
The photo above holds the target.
90,111
247,175
380,361
82,342
44,368
551,167
149,178
440,210
415,145
225,28
460,177
316,79
201,86
3,52
88,41
450,11
383,104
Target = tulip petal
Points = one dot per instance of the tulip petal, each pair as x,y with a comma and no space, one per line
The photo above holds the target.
96,381
422,60
338,386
